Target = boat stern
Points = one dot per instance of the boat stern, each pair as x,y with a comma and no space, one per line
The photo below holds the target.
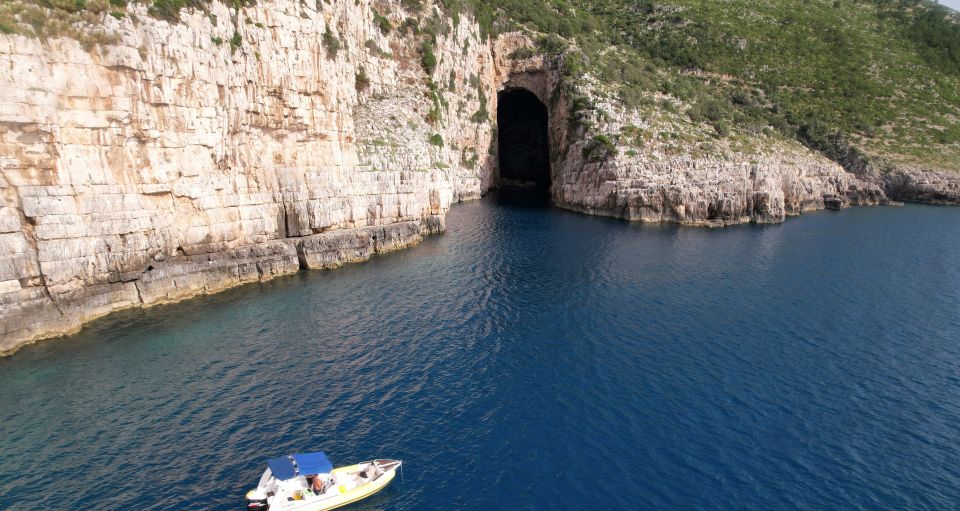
256,500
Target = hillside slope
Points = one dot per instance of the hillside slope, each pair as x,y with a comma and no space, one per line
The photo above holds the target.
869,83
152,151
874,85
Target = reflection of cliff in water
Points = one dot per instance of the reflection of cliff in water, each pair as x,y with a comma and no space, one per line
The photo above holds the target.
519,196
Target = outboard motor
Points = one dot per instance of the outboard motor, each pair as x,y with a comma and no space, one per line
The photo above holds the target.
257,501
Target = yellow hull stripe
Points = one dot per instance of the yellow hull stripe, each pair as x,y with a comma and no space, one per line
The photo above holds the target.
358,493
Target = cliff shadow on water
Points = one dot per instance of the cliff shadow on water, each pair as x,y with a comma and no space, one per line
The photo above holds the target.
522,144
522,198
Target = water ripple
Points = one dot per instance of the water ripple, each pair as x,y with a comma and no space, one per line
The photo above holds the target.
530,358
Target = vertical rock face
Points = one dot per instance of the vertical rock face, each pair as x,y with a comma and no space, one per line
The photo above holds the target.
612,161
660,167
920,185
713,191
171,163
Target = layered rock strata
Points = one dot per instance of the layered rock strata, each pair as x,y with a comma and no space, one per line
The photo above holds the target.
170,163
912,184
713,191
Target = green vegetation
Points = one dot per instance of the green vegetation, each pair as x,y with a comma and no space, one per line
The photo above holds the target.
362,81
428,60
170,9
481,115
521,53
436,140
167,9
410,26
435,114
236,41
382,23
412,5
371,45
82,19
79,19
882,75
599,148
469,157
330,42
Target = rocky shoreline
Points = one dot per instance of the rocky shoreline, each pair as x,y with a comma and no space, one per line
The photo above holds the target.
167,164
714,193
924,186
184,277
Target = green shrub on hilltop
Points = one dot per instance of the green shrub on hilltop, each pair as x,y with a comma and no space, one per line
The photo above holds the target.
881,74
167,9
884,74
934,29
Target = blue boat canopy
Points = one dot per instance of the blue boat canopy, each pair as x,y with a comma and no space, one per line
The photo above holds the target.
308,463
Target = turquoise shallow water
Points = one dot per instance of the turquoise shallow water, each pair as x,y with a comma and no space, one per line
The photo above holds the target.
530,358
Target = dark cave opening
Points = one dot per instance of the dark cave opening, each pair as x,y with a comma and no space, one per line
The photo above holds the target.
523,146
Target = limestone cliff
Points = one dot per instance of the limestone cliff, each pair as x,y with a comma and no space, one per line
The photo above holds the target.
168,162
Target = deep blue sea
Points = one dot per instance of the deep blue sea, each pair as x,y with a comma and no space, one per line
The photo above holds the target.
529,358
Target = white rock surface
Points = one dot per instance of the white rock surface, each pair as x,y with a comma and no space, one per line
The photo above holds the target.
167,165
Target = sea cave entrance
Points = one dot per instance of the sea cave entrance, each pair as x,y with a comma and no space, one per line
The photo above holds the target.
522,143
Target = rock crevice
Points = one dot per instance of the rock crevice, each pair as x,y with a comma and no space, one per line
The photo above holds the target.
166,165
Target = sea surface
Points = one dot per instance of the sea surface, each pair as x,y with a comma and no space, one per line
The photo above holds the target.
529,358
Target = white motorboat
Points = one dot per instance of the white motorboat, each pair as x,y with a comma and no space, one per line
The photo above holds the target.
308,482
